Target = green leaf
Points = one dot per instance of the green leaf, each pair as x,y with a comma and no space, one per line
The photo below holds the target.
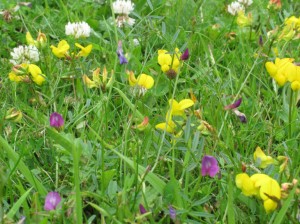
18,204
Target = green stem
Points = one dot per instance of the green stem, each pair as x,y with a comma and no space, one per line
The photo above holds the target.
290,113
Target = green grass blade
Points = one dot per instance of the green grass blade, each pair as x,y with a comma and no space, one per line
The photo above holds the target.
12,155
18,204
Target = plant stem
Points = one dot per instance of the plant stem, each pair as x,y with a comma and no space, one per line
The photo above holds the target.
290,113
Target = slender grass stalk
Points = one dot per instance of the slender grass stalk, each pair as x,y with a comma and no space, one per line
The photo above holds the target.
290,114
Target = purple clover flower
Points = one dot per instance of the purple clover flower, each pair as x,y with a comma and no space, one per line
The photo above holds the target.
52,200
121,56
209,166
56,120
185,55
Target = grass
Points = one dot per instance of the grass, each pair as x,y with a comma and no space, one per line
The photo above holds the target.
103,167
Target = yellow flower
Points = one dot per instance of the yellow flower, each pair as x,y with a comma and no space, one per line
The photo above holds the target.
262,186
279,69
262,159
168,126
18,73
97,82
13,115
293,76
40,40
143,80
85,51
244,182
36,74
178,108
61,50
269,191
168,61
293,21
243,20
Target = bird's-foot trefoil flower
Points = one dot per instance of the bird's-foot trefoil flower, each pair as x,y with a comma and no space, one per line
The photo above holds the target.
178,108
61,51
40,41
99,79
262,186
169,62
52,201
143,125
262,159
243,20
209,166
84,51
140,84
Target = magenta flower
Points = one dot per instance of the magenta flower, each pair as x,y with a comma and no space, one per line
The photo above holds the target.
56,120
236,104
52,200
185,55
209,166
121,56
142,209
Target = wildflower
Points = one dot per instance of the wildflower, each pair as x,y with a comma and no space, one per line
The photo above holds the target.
13,115
85,51
97,82
280,70
39,42
234,8
123,8
169,62
260,157
262,186
27,72
168,126
284,161
275,3
209,166
185,55
61,51
243,20
172,212
56,120
121,56
24,54
142,209
78,30
142,83
52,200
234,107
142,126
178,108
246,2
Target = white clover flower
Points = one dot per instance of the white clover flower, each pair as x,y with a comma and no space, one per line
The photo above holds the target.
124,19
24,54
235,7
136,42
81,29
124,7
246,2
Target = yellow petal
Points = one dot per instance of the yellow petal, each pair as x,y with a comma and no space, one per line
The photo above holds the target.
295,85
29,39
244,182
271,68
131,78
186,103
89,83
85,51
61,50
145,81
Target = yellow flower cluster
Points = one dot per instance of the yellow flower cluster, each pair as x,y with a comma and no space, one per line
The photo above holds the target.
169,62
96,81
176,108
27,72
243,20
62,50
284,70
291,29
262,186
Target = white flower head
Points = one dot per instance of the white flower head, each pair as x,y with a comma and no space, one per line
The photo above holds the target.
246,2
123,7
24,54
80,29
235,7
124,19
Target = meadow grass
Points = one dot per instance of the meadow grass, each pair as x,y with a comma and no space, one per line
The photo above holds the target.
104,167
